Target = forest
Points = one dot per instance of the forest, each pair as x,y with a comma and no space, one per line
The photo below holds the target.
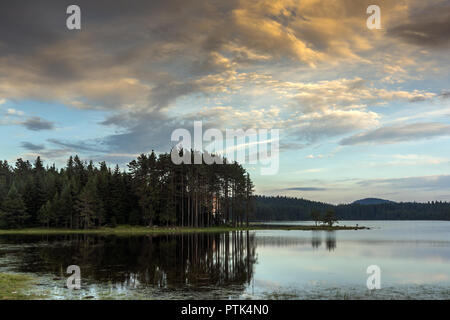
153,191
289,208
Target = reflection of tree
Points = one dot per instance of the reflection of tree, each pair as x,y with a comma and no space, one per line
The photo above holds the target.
167,261
281,241
316,239
330,240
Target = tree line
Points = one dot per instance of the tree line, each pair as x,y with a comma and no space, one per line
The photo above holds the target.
290,208
153,191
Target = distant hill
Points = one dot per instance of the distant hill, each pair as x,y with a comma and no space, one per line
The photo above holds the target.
288,208
370,201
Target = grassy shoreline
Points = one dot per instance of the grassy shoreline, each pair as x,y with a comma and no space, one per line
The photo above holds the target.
164,230
15,286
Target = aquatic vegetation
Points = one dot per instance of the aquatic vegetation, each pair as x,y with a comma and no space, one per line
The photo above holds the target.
16,287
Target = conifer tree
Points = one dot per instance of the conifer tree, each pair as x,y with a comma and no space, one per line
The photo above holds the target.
13,211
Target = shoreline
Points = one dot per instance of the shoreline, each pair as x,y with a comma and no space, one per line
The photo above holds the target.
14,286
124,230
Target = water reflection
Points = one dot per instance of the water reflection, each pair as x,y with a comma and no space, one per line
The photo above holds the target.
414,257
330,240
163,261
316,239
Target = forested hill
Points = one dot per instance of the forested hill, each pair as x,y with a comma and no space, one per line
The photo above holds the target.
372,201
286,208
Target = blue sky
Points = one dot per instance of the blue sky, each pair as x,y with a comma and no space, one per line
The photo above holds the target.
362,113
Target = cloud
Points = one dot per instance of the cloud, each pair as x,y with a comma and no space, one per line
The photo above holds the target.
78,146
14,112
34,123
428,27
399,133
336,107
258,31
445,94
401,160
321,109
155,68
37,124
32,146
417,159
333,123
292,146
105,66
433,182
148,55
58,155
312,156
304,189
346,94
141,132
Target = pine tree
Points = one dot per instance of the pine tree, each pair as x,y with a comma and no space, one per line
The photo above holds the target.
117,198
67,206
13,211
88,205
315,215
5,179
45,214
249,188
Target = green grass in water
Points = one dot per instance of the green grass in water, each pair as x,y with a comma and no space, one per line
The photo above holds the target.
16,287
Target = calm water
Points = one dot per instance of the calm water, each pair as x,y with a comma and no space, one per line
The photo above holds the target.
414,258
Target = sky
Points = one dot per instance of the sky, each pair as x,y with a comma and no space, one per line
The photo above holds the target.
361,112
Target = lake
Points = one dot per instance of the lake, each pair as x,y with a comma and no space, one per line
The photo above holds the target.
413,257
